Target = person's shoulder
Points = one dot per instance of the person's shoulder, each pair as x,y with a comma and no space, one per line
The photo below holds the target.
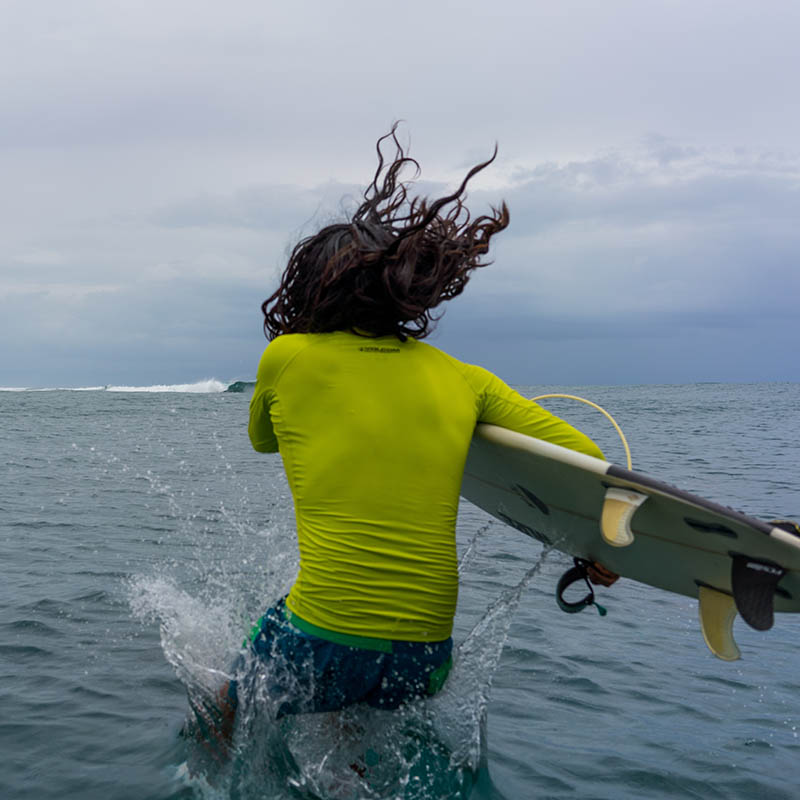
474,375
288,343
280,352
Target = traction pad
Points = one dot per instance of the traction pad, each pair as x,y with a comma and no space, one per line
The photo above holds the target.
754,583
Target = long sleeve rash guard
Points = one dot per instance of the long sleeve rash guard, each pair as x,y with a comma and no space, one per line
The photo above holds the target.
374,435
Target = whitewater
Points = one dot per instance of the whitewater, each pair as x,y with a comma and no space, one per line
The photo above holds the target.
205,386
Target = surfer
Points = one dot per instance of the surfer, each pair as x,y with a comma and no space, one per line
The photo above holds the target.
373,426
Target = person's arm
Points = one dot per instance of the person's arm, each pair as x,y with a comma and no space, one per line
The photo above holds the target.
509,409
501,405
260,430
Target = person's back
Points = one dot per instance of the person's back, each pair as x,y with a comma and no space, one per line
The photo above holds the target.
374,434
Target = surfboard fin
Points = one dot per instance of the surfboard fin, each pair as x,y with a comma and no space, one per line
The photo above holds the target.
754,583
619,507
717,613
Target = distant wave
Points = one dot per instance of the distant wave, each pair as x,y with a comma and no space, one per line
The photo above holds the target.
207,386
53,389
241,386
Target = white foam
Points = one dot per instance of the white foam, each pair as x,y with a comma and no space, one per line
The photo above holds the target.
53,389
207,386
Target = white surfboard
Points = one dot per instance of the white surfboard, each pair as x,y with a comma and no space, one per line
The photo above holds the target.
640,528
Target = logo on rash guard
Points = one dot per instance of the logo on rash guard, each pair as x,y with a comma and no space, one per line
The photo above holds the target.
374,349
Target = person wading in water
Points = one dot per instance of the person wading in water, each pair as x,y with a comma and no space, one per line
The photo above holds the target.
373,427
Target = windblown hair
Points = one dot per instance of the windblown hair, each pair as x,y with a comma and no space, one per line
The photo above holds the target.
385,270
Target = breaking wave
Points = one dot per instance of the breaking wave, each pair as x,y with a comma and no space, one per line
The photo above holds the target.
206,386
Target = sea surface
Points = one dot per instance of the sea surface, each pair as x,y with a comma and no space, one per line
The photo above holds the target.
140,537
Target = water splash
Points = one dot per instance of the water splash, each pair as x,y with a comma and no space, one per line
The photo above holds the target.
471,550
197,636
463,702
430,749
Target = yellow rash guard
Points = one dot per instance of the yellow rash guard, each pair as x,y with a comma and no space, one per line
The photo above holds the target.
374,435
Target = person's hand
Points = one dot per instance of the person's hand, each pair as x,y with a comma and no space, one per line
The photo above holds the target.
600,575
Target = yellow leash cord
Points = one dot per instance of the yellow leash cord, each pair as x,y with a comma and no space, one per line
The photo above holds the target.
602,411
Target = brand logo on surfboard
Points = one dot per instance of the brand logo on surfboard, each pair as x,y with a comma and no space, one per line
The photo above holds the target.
764,568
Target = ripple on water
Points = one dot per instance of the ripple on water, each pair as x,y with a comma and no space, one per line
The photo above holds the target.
34,627
24,653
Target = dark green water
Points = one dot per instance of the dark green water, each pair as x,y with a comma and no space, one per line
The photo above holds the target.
140,536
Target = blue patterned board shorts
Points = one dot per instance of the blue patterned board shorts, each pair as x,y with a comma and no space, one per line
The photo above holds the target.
303,672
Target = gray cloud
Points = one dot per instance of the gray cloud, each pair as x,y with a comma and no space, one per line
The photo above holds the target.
279,208
619,248
535,349
157,165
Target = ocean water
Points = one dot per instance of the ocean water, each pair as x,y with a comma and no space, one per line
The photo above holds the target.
140,536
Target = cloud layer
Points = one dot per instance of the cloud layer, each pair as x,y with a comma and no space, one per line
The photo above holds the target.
157,169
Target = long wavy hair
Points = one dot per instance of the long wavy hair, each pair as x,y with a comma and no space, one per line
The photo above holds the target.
386,269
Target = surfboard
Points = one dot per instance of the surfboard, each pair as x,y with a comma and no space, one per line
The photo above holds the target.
641,528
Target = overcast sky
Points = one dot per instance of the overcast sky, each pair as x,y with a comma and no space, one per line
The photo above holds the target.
158,159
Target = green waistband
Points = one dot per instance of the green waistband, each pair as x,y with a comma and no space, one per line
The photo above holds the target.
346,639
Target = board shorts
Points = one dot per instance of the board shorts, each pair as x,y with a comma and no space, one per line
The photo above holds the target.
306,669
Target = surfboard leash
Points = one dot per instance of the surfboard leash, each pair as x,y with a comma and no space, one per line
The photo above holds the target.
581,569
601,410
577,573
